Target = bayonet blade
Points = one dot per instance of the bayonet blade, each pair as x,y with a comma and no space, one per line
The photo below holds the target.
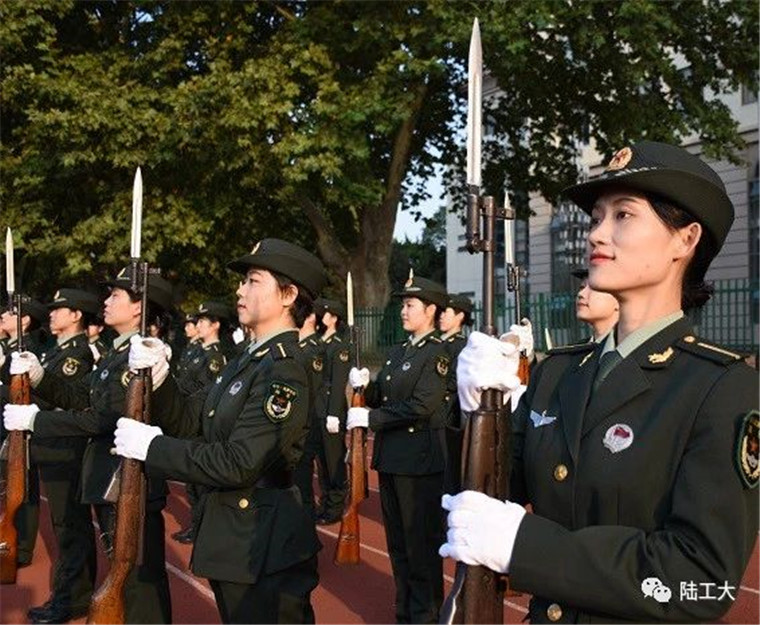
137,200
350,300
474,107
10,279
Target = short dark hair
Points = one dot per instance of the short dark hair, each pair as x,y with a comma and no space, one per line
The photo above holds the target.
154,315
304,304
695,291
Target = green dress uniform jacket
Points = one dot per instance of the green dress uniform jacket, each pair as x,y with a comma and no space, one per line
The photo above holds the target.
72,360
253,522
332,450
408,419
637,480
408,408
311,355
60,466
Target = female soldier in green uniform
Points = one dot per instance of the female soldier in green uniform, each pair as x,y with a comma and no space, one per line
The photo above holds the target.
255,542
407,415
90,409
638,454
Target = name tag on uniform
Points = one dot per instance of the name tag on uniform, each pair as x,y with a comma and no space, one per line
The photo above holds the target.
540,420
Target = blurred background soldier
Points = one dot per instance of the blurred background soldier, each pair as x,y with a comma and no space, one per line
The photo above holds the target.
332,452
202,366
312,357
60,464
599,310
98,344
452,321
407,414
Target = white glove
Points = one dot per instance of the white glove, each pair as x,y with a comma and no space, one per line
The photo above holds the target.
238,336
485,362
516,395
357,418
482,530
523,333
150,354
358,378
133,438
17,417
27,362
333,425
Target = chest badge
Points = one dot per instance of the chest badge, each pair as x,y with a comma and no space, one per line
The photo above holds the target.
406,366
660,358
317,364
104,374
70,367
235,388
618,437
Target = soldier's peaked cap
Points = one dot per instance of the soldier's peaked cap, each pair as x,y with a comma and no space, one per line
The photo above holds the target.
33,308
160,291
322,306
460,302
214,309
424,289
285,258
76,299
667,171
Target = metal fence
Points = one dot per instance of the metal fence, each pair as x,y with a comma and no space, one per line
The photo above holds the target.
730,318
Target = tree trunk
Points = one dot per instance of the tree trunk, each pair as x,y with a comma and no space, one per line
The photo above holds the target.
370,259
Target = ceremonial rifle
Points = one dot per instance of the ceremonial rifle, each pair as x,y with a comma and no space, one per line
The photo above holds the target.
513,281
16,471
477,594
347,549
108,603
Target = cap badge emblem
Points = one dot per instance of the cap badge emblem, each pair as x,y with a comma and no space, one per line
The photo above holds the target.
620,160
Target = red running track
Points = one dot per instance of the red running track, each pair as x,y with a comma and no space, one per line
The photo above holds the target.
348,594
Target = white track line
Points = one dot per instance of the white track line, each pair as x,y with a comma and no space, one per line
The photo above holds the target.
190,579
448,578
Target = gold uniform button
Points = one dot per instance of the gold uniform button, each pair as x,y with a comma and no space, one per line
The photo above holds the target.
554,612
410,429
560,472
387,377
243,503
689,339
211,413
385,398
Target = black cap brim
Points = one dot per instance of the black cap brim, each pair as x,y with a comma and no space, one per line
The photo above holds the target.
701,199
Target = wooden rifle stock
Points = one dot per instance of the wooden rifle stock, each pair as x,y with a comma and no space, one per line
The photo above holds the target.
523,369
477,594
107,604
347,549
15,484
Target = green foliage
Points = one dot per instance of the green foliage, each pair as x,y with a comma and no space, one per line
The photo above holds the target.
316,121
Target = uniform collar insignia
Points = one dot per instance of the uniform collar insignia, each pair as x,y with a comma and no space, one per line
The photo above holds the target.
662,357
585,358
261,353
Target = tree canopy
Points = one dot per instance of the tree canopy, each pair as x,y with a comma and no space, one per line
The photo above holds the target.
316,122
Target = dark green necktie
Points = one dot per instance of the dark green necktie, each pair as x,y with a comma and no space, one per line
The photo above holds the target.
606,363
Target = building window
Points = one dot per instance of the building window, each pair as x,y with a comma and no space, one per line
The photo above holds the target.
569,229
748,95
